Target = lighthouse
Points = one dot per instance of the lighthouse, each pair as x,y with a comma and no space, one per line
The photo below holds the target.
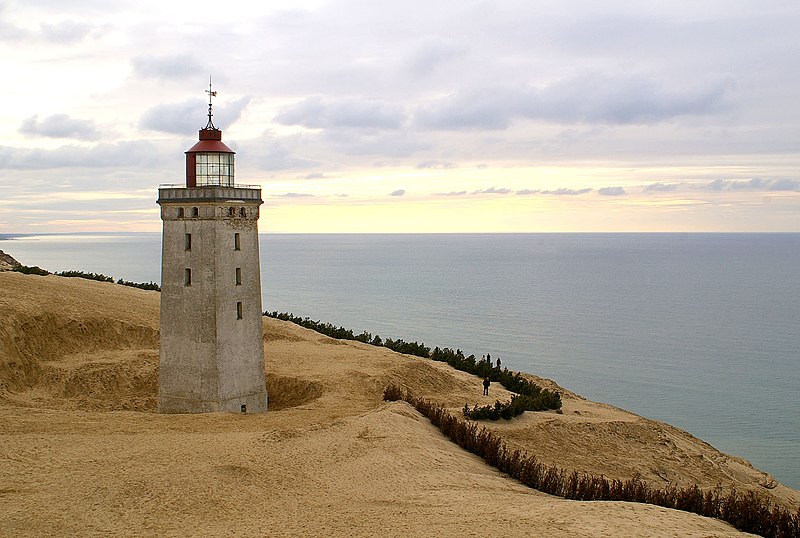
211,351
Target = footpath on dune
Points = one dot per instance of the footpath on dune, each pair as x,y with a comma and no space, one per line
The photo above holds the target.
82,450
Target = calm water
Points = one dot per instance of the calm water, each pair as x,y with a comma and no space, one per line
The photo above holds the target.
698,330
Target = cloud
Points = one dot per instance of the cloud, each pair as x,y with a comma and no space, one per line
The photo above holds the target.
485,108
398,192
611,191
319,113
451,193
493,190
784,185
661,187
391,144
315,175
271,152
755,184
440,165
432,54
556,192
296,195
66,32
136,153
568,192
166,67
10,32
59,126
588,98
190,115
628,99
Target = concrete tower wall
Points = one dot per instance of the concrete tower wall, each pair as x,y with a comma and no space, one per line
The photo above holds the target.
211,337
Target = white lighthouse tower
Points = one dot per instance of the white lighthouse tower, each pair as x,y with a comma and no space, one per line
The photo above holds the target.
212,355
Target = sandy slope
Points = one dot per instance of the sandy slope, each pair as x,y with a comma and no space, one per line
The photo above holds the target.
83,453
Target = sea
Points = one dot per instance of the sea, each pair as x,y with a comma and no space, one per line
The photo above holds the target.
699,330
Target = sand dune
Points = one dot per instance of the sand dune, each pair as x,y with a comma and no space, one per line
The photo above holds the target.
82,451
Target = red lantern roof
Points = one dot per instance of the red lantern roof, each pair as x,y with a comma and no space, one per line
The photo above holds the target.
210,142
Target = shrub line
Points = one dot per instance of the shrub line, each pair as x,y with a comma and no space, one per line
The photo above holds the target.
36,270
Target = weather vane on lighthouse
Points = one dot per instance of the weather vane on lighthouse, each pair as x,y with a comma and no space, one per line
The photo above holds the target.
210,124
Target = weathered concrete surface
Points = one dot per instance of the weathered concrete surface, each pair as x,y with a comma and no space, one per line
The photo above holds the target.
211,359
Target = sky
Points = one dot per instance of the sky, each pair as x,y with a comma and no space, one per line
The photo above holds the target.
375,116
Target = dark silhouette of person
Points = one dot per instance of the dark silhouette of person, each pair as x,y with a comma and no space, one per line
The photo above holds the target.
486,384
498,363
489,358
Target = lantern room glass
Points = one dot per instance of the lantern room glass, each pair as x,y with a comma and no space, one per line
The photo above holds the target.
214,169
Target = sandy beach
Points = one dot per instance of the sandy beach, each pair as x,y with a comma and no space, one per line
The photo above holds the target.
83,452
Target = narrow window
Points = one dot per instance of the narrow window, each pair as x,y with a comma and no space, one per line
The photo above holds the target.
231,212
195,212
187,242
239,310
187,277
238,276
236,243
242,212
180,213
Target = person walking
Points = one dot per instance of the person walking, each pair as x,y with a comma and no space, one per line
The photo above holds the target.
486,384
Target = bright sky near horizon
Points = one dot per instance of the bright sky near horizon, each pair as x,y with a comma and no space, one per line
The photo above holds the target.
377,116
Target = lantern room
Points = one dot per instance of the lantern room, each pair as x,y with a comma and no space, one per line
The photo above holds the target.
210,161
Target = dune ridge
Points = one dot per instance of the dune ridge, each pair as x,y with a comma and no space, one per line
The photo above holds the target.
83,451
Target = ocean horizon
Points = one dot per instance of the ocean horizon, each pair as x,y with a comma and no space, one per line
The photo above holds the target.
694,329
